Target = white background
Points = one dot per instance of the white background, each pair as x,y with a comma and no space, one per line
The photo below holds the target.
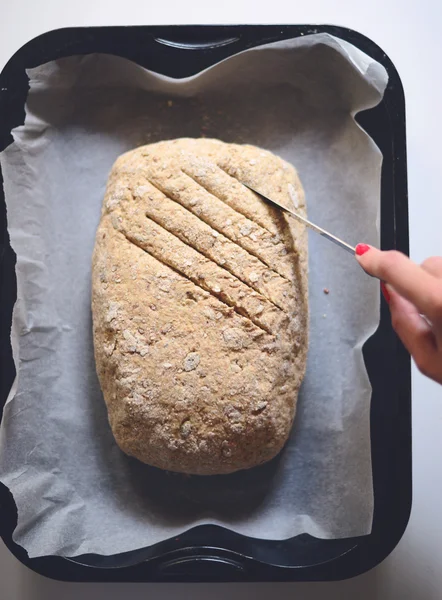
410,33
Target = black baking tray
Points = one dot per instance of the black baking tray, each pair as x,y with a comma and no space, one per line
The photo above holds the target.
211,553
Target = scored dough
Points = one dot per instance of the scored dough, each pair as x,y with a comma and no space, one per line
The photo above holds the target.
199,302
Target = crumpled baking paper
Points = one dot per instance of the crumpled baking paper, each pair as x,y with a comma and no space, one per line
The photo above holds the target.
76,492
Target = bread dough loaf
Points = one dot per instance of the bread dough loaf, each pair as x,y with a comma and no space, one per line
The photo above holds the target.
199,302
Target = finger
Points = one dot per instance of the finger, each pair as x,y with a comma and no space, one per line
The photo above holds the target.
416,335
433,265
411,281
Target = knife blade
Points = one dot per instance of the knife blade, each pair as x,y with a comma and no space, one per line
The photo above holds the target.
309,224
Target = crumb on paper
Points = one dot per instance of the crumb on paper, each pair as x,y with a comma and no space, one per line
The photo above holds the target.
326,291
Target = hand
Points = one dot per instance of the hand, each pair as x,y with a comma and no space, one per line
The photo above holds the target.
414,294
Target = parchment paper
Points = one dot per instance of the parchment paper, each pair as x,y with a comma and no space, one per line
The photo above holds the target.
75,491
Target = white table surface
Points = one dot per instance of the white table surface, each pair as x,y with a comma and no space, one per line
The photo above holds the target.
410,32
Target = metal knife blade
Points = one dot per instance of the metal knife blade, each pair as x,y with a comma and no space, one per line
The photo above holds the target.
320,230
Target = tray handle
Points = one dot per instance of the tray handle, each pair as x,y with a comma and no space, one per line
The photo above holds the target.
183,43
202,566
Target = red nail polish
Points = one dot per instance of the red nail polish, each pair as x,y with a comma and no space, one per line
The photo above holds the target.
385,292
362,249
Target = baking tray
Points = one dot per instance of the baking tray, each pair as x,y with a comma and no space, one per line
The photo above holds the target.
212,553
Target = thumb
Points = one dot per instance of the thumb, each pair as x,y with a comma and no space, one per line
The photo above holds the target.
415,333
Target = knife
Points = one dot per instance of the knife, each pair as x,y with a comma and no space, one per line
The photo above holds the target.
303,220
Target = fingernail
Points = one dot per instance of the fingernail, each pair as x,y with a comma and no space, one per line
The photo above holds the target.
361,249
385,292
